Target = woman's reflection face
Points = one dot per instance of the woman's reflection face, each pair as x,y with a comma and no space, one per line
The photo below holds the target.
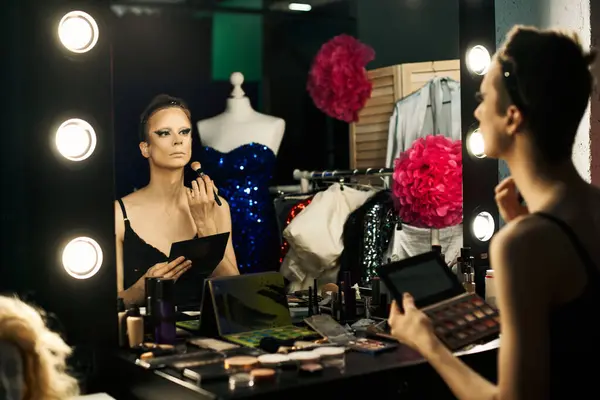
491,113
169,138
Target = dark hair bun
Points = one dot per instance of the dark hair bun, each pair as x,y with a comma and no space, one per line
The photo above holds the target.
590,57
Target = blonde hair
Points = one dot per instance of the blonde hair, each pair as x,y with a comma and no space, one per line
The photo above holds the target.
44,352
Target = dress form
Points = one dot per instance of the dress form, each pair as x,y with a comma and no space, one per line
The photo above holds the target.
240,124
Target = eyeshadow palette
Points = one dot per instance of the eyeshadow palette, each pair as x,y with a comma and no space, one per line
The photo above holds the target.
463,320
253,338
459,318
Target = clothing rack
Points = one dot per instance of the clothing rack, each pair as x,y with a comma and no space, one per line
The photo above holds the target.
305,176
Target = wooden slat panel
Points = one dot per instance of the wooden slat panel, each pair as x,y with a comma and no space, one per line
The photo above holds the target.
385,109
371,154
370,163
370,128
384,91
379,72
374,119
373,137
383,81
368,146
380,100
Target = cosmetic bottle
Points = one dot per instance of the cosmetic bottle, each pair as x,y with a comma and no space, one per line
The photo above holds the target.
469,280
458,269
490,289
135,327
310,301
164,316
121,312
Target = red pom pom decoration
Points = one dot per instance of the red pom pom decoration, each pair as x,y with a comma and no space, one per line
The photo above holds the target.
338,81
427,182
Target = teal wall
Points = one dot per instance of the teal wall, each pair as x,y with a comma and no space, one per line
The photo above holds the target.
237,42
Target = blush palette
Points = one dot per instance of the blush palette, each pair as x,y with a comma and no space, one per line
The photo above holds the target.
463,320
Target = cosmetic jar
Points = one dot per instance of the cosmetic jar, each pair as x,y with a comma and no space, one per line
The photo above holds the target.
240,363
304,357
332,356
263,374
273,360
240,380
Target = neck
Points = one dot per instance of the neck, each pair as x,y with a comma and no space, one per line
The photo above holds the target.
540,184
166,185
240,106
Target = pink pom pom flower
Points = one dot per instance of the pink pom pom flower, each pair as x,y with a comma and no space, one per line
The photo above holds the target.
427,182
338,83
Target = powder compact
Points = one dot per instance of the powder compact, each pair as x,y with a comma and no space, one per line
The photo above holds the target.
459,318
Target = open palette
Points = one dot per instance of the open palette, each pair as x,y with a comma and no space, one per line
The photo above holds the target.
459,318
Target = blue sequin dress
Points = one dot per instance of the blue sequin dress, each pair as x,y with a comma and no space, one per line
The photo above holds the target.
243,176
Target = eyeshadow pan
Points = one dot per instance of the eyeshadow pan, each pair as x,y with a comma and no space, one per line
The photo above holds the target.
479,313
488,310
461,322
489,323
469,317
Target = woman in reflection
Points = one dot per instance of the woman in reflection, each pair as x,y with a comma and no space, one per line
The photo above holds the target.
149,220
546,259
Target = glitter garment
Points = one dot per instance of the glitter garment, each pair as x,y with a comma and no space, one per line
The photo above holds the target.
302,204
242,176
367,234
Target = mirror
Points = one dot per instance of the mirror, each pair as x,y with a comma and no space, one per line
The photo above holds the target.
261,108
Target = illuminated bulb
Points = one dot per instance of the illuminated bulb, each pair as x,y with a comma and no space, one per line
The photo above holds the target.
300,7
475,144
483,226
478,60
82,257
75,139
78,31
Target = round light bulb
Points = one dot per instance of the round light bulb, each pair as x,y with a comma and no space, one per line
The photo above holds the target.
483,226
78,32
478,60
475,144
82,257
75,139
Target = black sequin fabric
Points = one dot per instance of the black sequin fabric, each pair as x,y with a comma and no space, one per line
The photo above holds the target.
367,234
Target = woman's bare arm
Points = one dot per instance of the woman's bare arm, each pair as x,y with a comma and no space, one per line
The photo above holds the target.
519,254
132,295
227,266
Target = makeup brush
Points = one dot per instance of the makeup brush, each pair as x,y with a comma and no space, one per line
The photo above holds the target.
198,169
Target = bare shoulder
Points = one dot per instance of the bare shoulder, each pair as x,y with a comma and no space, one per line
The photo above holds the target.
529,244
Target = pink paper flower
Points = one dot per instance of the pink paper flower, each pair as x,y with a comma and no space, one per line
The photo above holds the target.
427,183
337,82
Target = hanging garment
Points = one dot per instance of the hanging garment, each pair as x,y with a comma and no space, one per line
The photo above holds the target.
296,209
432,110
411,241
315,236
367,234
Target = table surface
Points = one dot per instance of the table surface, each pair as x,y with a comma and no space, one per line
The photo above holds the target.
358,365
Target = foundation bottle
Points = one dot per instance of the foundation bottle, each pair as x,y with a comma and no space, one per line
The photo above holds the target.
122,313
135,327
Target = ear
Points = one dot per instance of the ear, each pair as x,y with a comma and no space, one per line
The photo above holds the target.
514,120
144,149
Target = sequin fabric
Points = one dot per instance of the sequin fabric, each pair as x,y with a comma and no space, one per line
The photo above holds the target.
243,176
297,209
367,234
379,225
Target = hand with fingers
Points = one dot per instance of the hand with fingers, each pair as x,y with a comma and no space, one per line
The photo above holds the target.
411,326
165,270
507,199
201,199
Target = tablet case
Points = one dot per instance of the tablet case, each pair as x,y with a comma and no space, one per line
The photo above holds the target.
205,253
425,276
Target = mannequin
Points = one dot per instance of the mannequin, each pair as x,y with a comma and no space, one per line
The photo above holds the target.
240,124
239,153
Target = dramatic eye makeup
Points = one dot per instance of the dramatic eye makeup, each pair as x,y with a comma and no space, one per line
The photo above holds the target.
185,131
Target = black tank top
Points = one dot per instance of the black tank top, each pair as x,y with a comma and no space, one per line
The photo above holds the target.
138,255
574,330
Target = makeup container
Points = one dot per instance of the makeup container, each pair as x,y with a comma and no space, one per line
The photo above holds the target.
310,369
468,280
240,363
490,288
273,360
331,356
304,357
135,327
122,313
164,317
349,297
240,380
263,375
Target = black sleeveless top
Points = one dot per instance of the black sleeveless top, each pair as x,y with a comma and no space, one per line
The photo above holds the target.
138,255
574,330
